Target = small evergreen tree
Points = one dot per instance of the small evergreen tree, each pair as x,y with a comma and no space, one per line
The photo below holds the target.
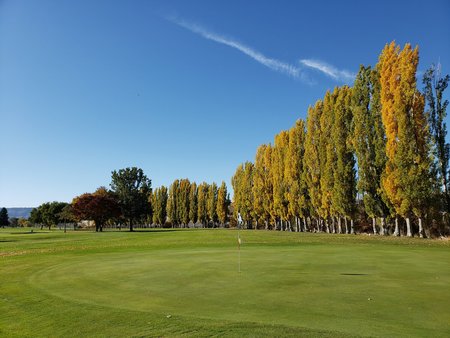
4,219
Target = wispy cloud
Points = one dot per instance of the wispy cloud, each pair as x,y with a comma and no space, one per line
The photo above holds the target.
274,64
295,71
329,70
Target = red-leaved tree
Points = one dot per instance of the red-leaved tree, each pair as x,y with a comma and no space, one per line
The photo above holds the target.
99,207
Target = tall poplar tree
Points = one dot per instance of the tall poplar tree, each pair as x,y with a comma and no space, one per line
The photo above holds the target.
246,187
344,187
202,196
172,203
280,187
193,205
312,159
435,85
268,186
407,179
296,195
259,178
183,201
159,202
211,204
369,141
328,158
236,183
222,204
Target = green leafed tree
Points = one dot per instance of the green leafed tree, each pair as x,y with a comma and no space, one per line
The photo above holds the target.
435,85
49,213
133,190
193,203
328,160
369,141
36,216
159,202
344,187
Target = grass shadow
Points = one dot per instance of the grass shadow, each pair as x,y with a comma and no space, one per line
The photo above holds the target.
149,230
29,232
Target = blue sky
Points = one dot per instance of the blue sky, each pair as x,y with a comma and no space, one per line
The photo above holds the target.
178,88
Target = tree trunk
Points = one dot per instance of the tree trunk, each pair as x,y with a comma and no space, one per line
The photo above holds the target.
333,225
256,225
374,225
396,230
408,227
421,232
339,225
266,224
327,228
352,228
346,226
131,225
305,225
382,226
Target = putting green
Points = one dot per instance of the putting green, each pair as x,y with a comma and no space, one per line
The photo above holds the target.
186,283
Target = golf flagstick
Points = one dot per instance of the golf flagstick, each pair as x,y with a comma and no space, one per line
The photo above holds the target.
239,219
239,252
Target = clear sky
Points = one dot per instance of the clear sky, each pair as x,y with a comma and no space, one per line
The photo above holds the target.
178,88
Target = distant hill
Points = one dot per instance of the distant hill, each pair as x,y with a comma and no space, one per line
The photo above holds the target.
19,212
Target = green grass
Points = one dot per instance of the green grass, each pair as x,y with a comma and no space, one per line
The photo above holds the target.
186,283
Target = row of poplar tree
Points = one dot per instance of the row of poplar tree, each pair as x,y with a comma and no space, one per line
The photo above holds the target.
367,151
187,203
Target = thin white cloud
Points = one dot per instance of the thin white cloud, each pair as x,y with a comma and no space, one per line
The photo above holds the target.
271,63
329,70
274,64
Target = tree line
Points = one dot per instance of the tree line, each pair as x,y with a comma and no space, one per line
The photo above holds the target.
131,201
187,203
375,151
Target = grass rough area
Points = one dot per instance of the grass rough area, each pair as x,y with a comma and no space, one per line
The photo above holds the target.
186,283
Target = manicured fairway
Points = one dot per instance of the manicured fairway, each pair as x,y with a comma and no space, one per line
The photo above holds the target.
186,283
